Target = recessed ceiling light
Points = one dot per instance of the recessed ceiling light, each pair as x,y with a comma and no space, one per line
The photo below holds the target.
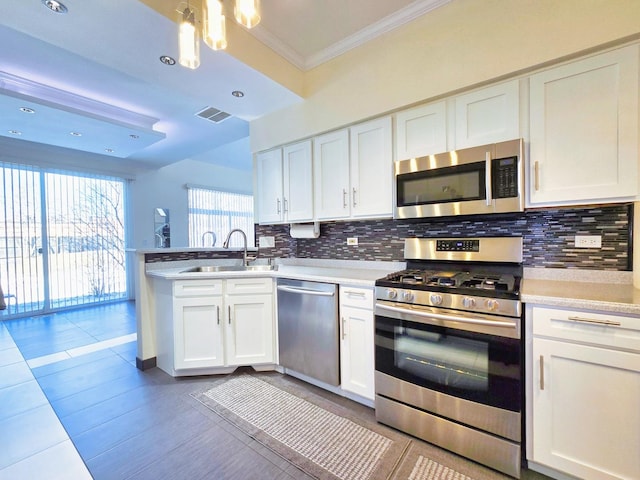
55,6
75,134
237,93
108,150
27,110
167,60
134,136
15,132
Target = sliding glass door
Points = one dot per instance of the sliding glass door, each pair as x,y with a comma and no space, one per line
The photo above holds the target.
61,239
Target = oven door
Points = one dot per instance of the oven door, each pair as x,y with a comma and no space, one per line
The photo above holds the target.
468,358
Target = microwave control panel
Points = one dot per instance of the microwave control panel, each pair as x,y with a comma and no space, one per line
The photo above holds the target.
505,177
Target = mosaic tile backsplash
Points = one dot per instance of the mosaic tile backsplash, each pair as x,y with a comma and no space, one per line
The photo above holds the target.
548,237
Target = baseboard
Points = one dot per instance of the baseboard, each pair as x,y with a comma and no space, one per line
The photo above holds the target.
146,364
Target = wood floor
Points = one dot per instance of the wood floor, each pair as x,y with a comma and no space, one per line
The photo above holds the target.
73,406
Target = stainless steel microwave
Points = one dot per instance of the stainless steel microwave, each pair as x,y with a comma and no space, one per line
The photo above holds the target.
478,180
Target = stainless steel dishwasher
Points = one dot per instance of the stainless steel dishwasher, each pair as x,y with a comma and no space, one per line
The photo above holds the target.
308,329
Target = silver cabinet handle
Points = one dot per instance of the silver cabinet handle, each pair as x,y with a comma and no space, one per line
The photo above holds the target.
355,294
278,205
610,323
354,196
229,312
344,327
536,176
344,198
286,205
541,372
487,179
218,313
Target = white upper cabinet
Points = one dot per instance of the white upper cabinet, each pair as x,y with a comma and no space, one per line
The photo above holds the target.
353,172
488,115
584,130
285,184
270,186
298,182
421,131
371,169
331,175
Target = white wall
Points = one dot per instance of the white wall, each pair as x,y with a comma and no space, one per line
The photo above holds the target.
165,188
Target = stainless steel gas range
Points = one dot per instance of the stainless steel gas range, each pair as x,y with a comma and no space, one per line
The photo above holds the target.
449,350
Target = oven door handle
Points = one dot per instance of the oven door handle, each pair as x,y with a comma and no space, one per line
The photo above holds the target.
442,316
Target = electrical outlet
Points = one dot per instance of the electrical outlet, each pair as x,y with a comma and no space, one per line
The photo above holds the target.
266,242
588,241
352,241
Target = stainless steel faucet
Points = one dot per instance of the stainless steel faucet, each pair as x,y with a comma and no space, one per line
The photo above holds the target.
245,262
213,238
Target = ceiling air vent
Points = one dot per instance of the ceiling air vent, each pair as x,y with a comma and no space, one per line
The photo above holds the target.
213,114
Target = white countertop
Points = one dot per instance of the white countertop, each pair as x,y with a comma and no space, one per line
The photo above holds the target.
582,289
354,273
568,288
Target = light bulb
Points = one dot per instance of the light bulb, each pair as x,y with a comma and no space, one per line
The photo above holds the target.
247,12
214,28
188,41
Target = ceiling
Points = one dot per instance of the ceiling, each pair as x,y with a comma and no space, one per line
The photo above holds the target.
91,80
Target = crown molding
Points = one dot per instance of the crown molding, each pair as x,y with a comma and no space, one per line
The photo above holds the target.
387,24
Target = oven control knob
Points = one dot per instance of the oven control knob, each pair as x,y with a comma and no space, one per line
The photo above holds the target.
468,302
435,299
407,296
392,294
492,304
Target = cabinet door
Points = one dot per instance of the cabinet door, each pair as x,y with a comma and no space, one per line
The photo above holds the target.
489,115
297,201
270,202
249,335
197,332
421,131
584,130
586,420
331,175
371,169
357,362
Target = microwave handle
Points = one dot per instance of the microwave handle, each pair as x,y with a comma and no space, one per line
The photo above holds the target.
487,178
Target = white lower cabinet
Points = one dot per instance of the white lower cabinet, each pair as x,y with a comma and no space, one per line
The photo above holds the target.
357,362
584,415
250,325
197,334
213,326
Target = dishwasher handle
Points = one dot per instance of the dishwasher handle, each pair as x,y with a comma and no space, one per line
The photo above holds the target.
305,291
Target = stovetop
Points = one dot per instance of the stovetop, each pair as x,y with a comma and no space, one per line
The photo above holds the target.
478,283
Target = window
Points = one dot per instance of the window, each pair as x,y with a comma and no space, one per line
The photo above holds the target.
219,212
61,239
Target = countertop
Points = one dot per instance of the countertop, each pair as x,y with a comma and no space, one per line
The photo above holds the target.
340,272
566,288
591,290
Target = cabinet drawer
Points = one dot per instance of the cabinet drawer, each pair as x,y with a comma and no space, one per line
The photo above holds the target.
249,285
597,328
196,288
356,297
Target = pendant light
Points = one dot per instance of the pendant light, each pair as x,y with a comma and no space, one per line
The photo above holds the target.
247,12
189,41
214,29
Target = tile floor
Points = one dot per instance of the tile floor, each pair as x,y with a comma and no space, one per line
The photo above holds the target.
73,406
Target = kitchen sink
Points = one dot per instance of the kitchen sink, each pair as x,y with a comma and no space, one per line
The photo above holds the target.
230,268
